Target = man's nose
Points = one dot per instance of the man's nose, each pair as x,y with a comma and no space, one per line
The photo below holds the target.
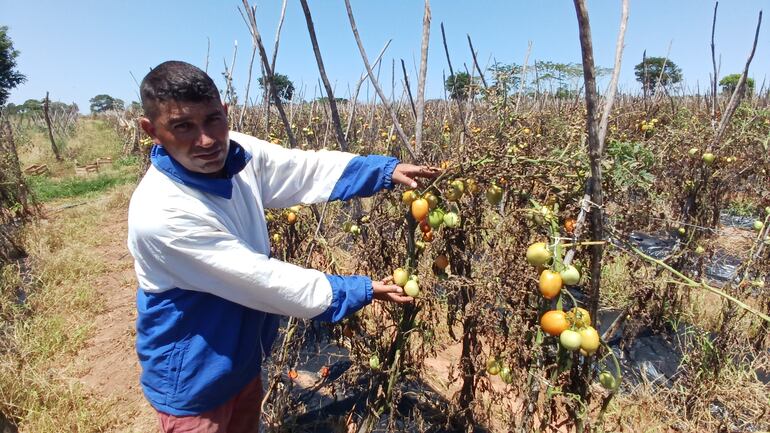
206,139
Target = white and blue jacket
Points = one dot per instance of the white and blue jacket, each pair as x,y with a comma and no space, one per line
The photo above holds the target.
210,296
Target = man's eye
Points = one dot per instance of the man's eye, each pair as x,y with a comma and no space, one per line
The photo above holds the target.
184,126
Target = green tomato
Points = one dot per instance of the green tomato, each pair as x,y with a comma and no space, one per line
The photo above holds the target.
400,277
758,225
700,250
374,362
570,340
538,254
693,151
411,288
452,195
505,375
494,195
436,218
458,185
570,275
607,380
419,245
493,366
451,220
355,230
708,158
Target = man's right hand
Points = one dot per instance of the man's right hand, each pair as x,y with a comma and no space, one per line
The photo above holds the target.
385,290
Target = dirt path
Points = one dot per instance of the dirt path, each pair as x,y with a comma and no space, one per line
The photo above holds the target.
109,366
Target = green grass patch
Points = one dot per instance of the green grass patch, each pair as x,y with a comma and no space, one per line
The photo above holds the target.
47,189
40,338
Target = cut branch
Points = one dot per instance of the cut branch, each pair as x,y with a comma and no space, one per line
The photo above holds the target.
476,63
613,87
739,91
454,83
361,80
714,65
50,131
329,91
394,118
254,30
420,108
594,154
408,89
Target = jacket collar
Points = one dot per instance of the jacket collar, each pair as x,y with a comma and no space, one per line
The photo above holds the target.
237,158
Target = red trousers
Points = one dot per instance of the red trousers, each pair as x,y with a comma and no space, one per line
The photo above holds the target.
239,415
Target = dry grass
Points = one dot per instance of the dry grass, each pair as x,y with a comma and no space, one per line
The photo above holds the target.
735,401
93,138
617,283
47,331
40,337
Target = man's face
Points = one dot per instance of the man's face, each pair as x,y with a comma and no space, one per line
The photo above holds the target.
195,134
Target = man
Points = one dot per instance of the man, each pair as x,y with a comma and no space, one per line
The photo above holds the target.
210,297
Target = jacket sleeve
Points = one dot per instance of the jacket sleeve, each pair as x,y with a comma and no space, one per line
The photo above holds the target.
292,176
191,253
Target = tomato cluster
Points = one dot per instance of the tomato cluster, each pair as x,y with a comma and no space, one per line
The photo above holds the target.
573,328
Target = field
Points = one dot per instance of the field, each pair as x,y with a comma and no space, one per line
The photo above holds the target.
568,277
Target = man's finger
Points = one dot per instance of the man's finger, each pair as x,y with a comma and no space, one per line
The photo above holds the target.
387,280
392,288
388,288
426,171
401,299
404,179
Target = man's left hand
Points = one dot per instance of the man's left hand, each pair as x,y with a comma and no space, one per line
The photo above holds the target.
405,174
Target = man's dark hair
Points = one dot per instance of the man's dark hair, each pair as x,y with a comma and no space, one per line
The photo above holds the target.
175,81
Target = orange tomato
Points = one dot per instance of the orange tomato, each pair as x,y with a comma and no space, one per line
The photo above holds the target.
569,225
293,374
427,236
550,284
420,209
291,217
554,322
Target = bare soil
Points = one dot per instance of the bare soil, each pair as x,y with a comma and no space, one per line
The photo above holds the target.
108,363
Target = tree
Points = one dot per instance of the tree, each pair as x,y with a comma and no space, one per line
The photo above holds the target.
135,107
730,82
283,86
102,103
336,99
30,106
9,76
12,108
506,78
458,85
651,69
562,80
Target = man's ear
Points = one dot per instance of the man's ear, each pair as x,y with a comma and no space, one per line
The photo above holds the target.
224,105
148,128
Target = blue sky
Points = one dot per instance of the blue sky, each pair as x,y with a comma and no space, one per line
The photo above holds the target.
80,48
